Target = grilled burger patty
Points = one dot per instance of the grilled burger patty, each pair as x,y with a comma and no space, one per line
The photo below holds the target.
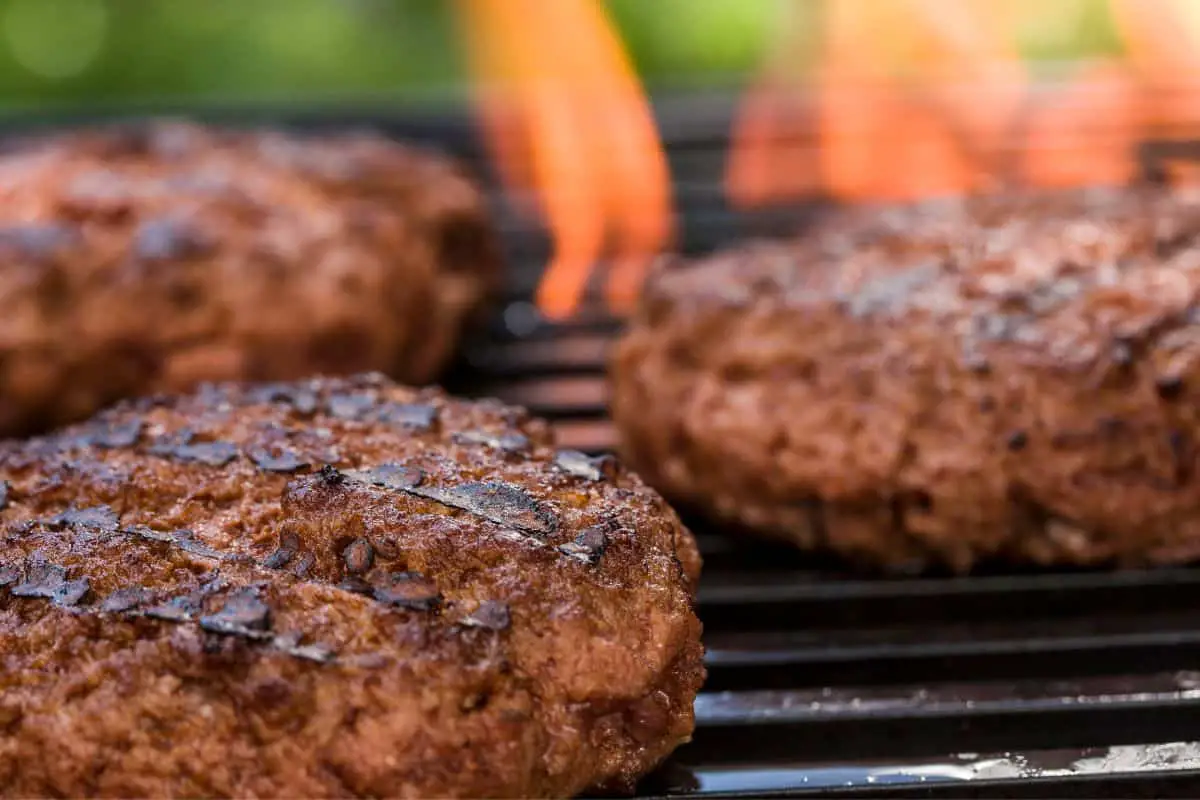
151,257
335,587
1009,378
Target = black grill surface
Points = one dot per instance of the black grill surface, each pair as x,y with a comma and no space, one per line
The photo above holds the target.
1065,684
1079,684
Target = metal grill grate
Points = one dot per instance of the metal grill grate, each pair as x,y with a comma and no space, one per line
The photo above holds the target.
823,681
1003,685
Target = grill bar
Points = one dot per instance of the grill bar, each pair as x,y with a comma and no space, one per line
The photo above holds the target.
827,682
834,663
808,662
950,781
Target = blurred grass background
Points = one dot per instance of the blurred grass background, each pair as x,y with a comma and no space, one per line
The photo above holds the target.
56,52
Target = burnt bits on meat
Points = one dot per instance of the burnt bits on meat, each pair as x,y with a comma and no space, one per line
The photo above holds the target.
38,241
289,545
584,466
410,590
185,540
358,556
588,546
367,407
331,475
413,579
183,608
167,239
212,454
516,443
243,613
129,598
490,615
303,565
290,643
300,397
1169,387
98,517
276,459
180,446
356,585
389,476
350,406
417,416
117,434
501,503
50,581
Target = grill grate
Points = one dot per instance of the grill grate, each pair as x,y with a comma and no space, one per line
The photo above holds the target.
824,682
1082,684
1000,685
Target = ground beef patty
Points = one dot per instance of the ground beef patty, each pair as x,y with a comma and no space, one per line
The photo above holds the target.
1010,378
151,257
337,587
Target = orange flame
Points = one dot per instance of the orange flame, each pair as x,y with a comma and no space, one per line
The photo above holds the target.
880,142
1085,133
913,98
566,119
924,97
897,108
1160,37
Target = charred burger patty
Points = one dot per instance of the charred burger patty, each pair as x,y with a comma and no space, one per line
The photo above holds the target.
335,587
152,257
1011,378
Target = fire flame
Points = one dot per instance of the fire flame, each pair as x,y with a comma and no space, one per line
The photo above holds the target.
566,120
913,98
887,135
916,98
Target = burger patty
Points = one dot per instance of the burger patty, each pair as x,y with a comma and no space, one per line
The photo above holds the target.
1012,379
154,256
332,588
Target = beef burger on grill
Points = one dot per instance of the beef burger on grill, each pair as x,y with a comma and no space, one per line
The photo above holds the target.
1005,378
335,587
151,257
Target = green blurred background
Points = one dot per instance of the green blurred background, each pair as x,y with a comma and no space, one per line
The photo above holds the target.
55,52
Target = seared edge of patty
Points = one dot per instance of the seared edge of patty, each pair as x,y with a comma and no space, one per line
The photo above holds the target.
1009,378
150,257
335,587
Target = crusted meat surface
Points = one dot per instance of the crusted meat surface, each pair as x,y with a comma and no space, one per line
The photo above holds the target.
1010,378
335,588
152,257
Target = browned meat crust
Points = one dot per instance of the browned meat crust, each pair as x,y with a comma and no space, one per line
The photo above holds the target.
335,588
1012,379
152,257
